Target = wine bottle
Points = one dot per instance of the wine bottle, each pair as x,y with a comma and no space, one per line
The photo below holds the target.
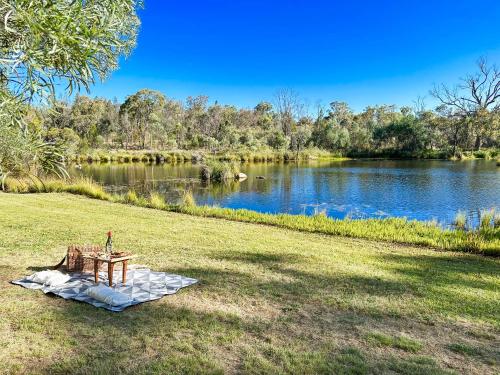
109,245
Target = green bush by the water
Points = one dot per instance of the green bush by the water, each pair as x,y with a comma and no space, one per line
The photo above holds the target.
219,171
157,201
187,199
484,240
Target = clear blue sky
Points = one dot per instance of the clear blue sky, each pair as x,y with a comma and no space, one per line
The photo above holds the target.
363,52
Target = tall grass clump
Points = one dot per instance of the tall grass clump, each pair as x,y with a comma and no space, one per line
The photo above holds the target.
86,187
157,201
496,220
486,219
219,171
460,221
187,199
131,197
13,185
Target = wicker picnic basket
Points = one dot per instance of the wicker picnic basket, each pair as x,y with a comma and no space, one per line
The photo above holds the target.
75,261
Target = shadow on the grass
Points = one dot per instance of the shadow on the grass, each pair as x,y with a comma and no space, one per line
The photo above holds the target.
156,338
159,337
428,278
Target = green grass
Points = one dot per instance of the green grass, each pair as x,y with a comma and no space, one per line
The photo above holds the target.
465,349
398,342
485,240
270,300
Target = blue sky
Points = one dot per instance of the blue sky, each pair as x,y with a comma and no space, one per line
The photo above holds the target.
364,52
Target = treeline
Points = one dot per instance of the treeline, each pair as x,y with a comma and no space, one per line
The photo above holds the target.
467,119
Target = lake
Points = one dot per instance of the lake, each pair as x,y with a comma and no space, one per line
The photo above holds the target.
416,189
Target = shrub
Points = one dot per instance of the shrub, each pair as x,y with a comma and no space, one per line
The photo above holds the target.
481,154
219,171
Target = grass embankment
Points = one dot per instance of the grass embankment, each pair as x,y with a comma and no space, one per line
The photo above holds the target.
488,154
485,240
270,300
181,156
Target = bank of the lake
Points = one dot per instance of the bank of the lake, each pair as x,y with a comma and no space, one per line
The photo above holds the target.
484,240
424,190
270,300
267,155
182,156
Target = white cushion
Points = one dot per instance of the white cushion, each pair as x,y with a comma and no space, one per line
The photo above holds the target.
107,295
49,278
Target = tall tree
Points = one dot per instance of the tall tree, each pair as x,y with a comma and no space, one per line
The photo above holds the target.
473,99
289,107
46,42
143,109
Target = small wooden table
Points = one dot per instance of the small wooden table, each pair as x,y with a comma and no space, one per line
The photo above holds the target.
111,266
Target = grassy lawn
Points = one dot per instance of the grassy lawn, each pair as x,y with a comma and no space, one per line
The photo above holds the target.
269,300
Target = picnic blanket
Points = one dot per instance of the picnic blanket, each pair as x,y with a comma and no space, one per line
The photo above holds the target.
142,285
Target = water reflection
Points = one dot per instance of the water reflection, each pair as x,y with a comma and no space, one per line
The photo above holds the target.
422,190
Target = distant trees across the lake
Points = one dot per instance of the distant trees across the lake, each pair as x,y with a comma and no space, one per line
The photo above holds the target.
467,118
72,44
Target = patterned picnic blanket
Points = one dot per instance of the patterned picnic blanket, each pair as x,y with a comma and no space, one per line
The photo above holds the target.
142,285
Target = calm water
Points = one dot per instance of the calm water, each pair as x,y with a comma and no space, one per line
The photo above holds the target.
422,190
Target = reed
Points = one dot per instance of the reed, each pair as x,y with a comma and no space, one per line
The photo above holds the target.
486,219
131,197
460,221
496,220
187,200
157,201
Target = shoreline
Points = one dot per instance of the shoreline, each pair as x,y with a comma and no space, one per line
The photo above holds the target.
197,156
484,241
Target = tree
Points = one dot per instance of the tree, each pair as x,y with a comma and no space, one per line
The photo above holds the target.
143,109
289,108
44,41
406,135
341,113
301,134
195,116
89,117
125,130
474,98
47,42
171,124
